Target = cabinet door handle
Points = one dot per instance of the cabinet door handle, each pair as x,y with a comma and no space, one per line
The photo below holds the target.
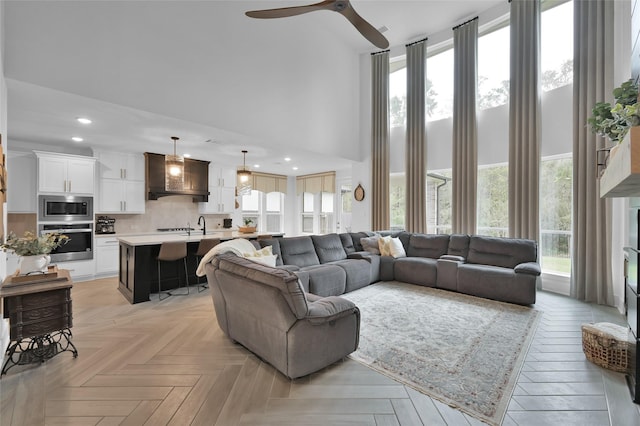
69,186
124,172
125,205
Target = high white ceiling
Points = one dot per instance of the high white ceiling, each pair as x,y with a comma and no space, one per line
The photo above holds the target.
202,71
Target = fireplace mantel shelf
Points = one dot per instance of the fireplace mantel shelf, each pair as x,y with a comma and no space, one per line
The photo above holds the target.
621,178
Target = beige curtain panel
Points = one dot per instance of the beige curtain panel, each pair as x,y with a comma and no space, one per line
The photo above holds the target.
524,120
380,140
465,128
416,191
592,82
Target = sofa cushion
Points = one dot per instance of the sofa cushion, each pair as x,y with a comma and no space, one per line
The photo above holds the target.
498,283
298,251
275,248
328,248
416,270
503,252
326,280
458,245
432,246
371,244
347,242
358,273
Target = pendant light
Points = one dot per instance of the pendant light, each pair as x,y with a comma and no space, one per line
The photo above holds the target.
174,169
244,176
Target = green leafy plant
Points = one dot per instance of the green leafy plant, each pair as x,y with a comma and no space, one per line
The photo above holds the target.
614,122
247,221
31,245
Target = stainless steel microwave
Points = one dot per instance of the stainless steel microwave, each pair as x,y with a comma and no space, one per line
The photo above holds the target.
65,208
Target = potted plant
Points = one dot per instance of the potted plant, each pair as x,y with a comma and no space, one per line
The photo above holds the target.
613,122
33,251
248,225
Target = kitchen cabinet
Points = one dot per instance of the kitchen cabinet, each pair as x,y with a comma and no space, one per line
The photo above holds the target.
222,189
120,165
80,270
107,255
121,185
65,174
21,181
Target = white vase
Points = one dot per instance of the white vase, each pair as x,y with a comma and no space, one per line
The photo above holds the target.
36,263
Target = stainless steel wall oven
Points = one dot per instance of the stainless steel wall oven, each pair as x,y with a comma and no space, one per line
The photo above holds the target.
80,243
65,208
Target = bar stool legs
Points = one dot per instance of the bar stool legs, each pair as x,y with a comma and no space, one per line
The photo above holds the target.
172,251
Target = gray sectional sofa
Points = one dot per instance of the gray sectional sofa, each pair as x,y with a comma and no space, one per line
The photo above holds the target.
292,316
504,269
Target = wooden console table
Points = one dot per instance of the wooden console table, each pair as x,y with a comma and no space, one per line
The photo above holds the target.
40,319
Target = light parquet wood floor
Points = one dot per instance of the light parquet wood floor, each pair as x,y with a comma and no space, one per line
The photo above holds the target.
167,362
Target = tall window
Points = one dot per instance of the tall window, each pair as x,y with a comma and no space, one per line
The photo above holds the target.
556,62
493,131
318,213
397,141
493,68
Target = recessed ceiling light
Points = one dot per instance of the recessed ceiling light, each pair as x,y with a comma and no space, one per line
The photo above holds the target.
295,167
187,155
257,166
287,159
77,139
83,120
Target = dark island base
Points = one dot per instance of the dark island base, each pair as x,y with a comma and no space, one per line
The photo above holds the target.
138,275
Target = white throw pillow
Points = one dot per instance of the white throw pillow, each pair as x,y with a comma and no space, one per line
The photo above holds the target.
384,246
269,260
396,248
264,255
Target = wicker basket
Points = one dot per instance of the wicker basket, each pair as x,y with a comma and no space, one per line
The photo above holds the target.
606,345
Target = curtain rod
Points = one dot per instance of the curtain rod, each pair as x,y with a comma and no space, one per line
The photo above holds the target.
464,23
378,53
416,42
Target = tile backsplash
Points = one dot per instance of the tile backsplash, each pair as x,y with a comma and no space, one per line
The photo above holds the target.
173,211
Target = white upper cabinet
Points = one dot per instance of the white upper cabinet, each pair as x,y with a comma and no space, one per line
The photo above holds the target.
21,194
222,189
68,174
121,184
118,165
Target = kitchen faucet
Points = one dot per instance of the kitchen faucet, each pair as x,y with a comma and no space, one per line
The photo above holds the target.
204,225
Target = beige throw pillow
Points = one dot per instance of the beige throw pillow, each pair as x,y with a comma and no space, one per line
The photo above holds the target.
384,246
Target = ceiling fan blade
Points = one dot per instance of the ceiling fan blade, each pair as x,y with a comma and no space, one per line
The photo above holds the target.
366,29
284,12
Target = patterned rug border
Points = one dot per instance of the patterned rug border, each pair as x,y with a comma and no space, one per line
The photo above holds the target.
502,406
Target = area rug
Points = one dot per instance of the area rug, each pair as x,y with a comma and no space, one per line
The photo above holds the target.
462,350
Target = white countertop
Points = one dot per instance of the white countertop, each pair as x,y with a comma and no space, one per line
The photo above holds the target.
159,238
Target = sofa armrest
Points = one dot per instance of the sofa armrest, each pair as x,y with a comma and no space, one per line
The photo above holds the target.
452,258
329,309
531,268
360,255
303,277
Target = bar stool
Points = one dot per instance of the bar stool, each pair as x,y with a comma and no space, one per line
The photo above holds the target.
172,251
204,246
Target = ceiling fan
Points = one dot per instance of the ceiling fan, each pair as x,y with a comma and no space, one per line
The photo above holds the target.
343,7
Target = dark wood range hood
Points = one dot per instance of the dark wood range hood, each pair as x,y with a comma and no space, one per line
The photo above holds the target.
196,178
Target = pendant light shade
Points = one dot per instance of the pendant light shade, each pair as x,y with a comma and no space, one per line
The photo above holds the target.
174,169
244,177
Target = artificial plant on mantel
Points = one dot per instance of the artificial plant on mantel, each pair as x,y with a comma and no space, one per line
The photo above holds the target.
613,122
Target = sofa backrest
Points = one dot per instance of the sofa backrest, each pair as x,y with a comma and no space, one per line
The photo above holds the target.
298,251
504,252
428,245
458,245
275,247
328,247
242,278
347,242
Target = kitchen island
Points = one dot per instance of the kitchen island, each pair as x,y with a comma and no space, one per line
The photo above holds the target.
138,269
